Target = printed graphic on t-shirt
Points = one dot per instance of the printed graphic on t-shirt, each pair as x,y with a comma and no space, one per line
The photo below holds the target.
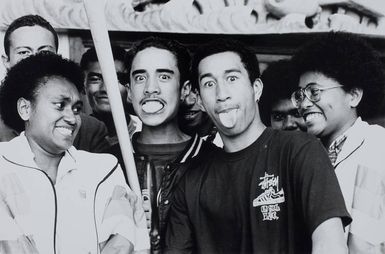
271,197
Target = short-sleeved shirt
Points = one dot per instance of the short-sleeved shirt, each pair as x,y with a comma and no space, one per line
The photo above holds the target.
266,198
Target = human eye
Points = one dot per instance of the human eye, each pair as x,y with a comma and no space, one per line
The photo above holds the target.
297,114
164,77
77,109
207,83
277,117
139,78
24,52
59,105
232,78
314,91
94,79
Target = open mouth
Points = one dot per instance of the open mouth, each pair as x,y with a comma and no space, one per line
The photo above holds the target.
311,116
190,114
65,131
152,106
228,117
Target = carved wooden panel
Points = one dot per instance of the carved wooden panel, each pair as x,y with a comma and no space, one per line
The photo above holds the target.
208,16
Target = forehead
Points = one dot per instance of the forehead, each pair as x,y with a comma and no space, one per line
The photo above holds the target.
152,58
58,87
283,105
220,62
95,66
32,36
316,77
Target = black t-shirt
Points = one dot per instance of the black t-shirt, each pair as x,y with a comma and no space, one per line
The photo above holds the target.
266,198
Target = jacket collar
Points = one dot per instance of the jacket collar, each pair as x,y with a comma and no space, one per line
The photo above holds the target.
355,138
18,151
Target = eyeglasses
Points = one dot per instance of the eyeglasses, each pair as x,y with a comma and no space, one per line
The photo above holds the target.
311,92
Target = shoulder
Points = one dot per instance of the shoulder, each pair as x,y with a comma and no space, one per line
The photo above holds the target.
98,163
283,138
90,120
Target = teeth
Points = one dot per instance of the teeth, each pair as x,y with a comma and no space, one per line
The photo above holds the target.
311,116
64,131
229,118
152,106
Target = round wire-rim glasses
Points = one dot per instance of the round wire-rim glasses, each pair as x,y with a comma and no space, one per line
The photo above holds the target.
311,91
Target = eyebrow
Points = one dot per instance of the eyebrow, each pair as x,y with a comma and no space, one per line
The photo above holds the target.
68,99
226,72
141,71
165,70
232,70
46,46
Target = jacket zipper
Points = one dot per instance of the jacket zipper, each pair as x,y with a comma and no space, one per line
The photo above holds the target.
96,190
54,194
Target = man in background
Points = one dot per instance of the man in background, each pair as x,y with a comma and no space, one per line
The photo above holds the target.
97,94
29,35
276,107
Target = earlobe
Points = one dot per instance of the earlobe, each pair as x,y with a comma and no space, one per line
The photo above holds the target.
356,96
257,87
24,108
185,91
128,88
200,104
5,60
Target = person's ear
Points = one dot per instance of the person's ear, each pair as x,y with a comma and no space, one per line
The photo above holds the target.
199,103
185,91
355,97
24,108
257,88
129,95
6,62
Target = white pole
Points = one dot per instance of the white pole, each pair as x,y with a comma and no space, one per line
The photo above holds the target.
96,19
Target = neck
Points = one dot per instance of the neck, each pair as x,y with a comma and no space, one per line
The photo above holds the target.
244,139
164,134
46,161
328,140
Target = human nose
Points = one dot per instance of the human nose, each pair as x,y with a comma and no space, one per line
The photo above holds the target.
69,116
151,87
191,99
289,123
222,92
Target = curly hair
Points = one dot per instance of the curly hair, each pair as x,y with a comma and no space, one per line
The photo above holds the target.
279,82
178,50
28,20
26,77
248,57
350,61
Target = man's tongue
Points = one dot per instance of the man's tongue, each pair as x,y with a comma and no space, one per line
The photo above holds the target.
228,118
152,106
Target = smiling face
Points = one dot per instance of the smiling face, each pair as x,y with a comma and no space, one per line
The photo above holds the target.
96,89
191,111
284,116
52,119
155,86
333,113
227,93
26,41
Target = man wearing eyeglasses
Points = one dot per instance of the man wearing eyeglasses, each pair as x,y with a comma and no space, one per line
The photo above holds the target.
97,93
341,82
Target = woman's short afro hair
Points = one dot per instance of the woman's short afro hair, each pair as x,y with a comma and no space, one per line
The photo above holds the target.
25,78
350,61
